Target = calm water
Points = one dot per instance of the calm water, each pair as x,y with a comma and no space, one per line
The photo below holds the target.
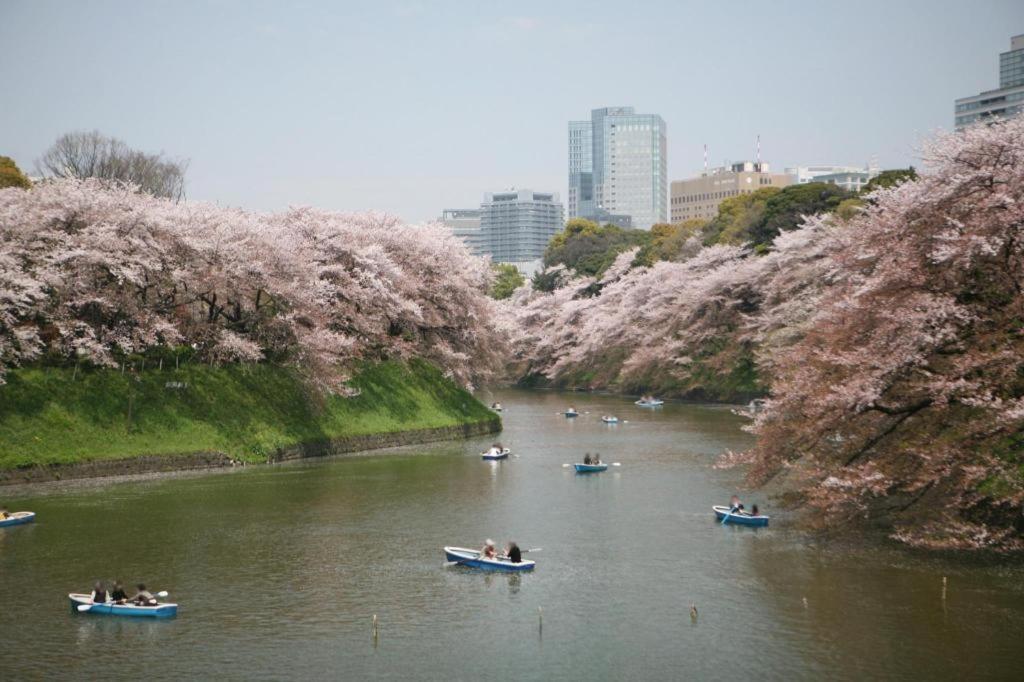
279,570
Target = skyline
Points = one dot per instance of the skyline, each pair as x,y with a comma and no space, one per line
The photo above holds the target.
411,109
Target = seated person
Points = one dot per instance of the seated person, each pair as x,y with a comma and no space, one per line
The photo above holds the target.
488,551
99,594
514,554
754,511
587,459
118,595
597,458
143,597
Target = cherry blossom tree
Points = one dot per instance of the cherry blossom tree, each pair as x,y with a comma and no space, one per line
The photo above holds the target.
95,271
903,400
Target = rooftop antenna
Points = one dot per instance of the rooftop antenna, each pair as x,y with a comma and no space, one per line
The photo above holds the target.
758,153
705,159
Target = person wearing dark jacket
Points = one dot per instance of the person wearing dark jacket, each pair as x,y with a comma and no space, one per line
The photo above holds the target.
514,554
118,595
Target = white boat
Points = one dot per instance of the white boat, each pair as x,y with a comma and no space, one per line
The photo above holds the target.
650,402
494,453
610,420
472,558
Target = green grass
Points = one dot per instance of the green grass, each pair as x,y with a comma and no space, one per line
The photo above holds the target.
47,416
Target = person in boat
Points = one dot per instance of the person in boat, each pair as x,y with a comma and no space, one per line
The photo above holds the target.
144,597
514,554
117,594
735,505
754,511
99,594
488,551
597,458
587,459
4,513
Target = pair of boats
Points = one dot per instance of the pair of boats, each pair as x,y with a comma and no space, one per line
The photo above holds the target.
82,603
739,517
495,454
474,559
18,518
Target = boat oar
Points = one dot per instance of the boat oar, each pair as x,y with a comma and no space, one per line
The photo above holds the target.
82,608
728,514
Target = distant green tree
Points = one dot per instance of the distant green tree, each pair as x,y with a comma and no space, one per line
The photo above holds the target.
508,279
738,217
667,241
890,178
11,175
785,210
588,249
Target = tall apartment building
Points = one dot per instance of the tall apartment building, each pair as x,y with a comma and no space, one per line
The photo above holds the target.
618,168
517,225
510,227
1007,100
699,197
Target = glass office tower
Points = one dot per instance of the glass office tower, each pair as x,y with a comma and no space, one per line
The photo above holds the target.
625,174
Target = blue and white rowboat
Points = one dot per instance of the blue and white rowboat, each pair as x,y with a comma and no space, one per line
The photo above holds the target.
18,518
649,403
111,609
740,518
590,468
492,455
610,420
571,413
472,558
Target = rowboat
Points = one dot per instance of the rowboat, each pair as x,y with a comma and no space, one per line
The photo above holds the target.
571,413
18,518
741,518
610,420
491,454
472,558
111,609
654,402
590,468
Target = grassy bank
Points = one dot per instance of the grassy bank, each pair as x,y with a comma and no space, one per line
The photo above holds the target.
51,415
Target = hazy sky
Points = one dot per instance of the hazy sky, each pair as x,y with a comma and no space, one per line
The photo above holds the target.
413,106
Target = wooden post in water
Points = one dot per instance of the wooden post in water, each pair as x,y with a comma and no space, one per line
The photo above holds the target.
943,589
375,631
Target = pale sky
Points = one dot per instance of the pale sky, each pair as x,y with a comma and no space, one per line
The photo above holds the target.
411,107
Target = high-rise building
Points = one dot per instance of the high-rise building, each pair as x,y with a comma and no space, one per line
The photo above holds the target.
465,224
699,197
618,168
1007,100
